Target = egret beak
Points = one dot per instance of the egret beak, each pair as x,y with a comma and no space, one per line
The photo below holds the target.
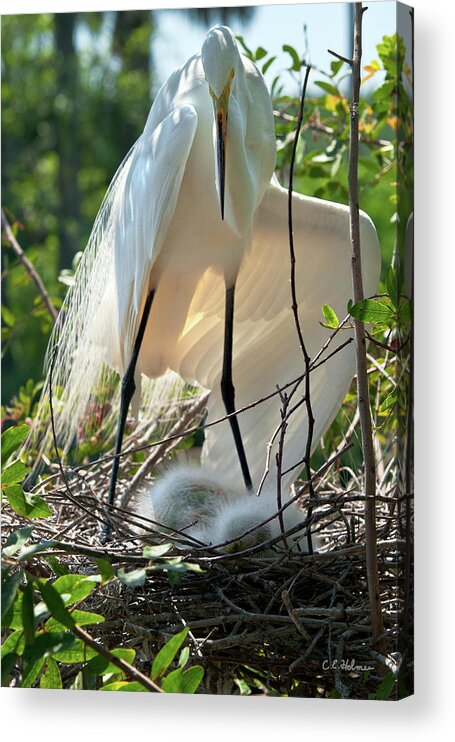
220,107
221,116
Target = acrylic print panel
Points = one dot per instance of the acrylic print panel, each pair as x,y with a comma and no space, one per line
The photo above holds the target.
209,491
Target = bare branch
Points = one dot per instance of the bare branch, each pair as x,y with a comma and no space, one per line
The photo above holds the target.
295,308
29,267
360,341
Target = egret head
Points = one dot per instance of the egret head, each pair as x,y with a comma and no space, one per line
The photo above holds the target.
220,60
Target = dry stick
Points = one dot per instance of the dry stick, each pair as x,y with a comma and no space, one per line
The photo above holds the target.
360,344
294,615
125,667
409,433
295,310
29,267
279,462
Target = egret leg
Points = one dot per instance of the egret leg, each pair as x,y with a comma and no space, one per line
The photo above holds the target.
127,391
227,386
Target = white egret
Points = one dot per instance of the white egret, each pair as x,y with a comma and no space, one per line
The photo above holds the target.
183,201
193,214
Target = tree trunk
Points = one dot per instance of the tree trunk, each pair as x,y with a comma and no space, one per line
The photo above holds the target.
67,137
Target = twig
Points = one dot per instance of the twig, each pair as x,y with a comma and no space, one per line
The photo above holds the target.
279,463
340,56
294,615
125,667
295,308
360,344
29,267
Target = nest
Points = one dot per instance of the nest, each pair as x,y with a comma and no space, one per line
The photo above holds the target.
286,623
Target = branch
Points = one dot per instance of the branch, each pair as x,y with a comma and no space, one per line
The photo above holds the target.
29,267
360,341
340,57
295,308
124,666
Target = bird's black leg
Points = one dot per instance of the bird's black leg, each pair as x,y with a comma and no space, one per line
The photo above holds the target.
127,391
227,386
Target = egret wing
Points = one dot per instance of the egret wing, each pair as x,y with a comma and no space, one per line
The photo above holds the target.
149,200
266,347
97,325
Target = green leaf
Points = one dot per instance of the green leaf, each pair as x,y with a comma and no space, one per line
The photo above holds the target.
8,318
335,66
78,683
30,551
58,567
389,401
385,689
16,540
28,617
14,474
331,319
167,653
405,312
243,686
12,439
393,287
372,310
74,587
31,672
156,551
296,63
101,666
8,662
81,618
135,578
184,656
13,644
55,603
47,644
175,569
26,505
242,43
10,586
77,652
260,53
267,64
51,677
183,681
328,87
122,685
106,569
12,619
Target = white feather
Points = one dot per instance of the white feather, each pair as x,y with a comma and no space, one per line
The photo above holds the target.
194,502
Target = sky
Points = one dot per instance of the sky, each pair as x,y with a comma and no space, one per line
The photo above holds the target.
275,25
272,25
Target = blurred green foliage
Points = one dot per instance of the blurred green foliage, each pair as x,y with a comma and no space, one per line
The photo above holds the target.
76,91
